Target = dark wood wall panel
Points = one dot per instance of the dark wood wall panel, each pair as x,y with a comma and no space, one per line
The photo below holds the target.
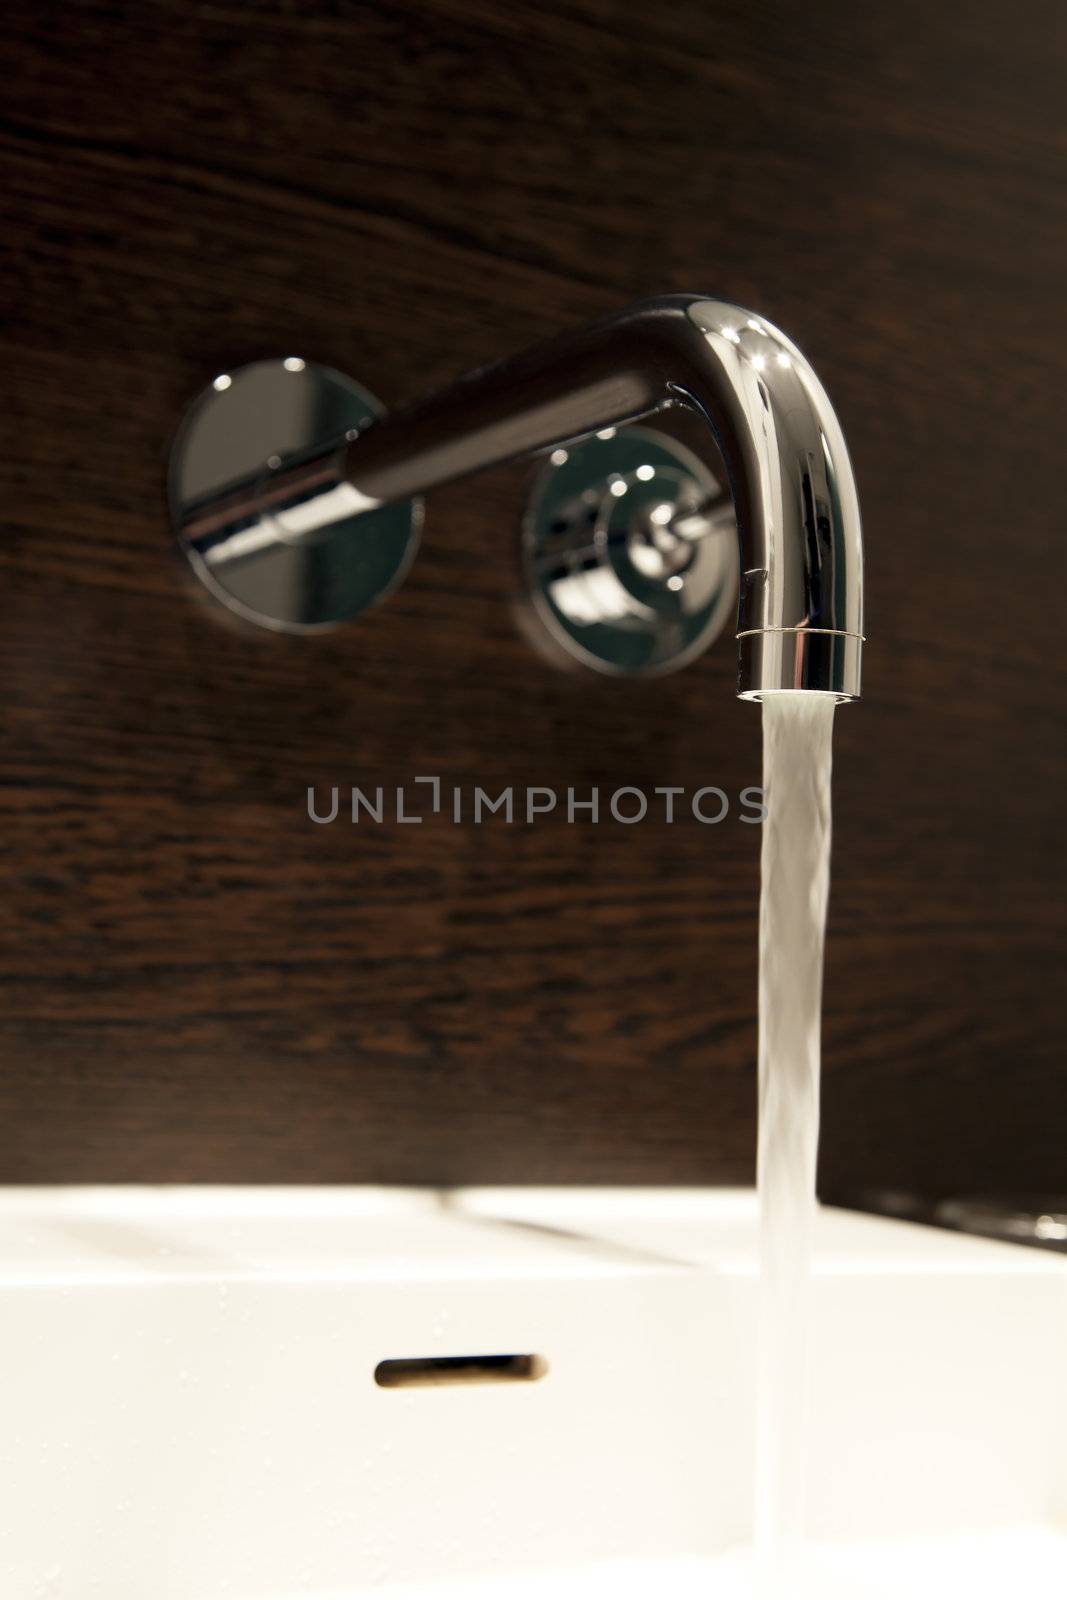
198,984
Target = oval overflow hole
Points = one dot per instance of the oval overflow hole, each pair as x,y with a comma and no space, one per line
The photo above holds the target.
421,1371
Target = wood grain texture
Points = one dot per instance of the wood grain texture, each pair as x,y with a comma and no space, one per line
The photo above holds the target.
198,984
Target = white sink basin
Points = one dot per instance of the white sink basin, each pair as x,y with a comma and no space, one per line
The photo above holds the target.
190,1409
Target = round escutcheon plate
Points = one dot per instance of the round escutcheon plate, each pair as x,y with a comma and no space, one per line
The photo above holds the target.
245,423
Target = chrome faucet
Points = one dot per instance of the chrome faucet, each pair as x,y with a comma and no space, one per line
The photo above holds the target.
295,499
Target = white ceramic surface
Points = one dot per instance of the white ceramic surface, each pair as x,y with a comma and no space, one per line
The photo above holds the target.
189,1407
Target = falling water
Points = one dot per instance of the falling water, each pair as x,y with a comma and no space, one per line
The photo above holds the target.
797,730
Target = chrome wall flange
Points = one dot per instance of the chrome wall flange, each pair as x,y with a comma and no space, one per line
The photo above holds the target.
256,552
629,553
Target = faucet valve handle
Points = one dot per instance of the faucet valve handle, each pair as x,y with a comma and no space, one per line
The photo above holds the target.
629,554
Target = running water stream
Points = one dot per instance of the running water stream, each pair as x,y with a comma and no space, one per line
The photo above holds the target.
795,866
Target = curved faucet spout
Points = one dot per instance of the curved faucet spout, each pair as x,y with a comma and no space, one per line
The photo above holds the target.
800,617
801,593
